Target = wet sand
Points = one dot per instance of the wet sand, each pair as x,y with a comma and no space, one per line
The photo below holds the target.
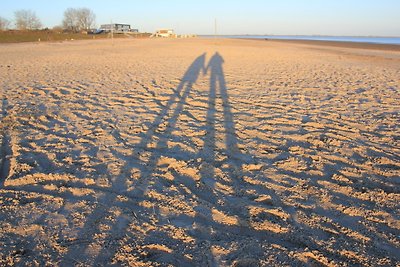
199,152
372,46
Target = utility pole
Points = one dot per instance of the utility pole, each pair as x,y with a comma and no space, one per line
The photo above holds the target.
112,33
215,28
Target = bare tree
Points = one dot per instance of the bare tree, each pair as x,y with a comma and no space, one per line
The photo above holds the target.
70,21
4,24
26,20
78,19
86,18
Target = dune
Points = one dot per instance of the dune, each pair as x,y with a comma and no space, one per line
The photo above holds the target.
199,152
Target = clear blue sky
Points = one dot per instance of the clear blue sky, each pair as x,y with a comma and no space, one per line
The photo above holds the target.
327,17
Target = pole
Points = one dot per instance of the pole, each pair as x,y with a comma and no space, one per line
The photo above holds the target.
215,28
112,33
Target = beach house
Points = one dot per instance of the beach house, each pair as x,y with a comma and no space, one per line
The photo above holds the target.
117,28
165,33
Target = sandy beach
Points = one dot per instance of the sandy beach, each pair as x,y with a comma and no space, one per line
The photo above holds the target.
199,152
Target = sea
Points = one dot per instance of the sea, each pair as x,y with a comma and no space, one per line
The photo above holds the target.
362,39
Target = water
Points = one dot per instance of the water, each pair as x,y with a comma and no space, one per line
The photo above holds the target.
373,40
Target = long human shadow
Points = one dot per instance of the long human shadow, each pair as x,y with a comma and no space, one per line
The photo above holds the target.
167,120
218,88
208,195
217,80
146,168
160,132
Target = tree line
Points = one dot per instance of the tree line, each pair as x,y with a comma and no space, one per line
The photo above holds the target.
74,20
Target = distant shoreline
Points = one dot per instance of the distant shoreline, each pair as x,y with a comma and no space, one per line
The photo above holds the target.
317,38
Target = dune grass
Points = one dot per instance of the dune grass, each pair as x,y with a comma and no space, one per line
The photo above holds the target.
14,36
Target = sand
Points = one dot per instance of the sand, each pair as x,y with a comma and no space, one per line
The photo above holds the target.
199,152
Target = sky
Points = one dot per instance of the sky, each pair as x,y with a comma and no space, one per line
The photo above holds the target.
281,17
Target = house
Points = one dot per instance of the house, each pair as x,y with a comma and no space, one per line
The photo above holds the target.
117,28
165,33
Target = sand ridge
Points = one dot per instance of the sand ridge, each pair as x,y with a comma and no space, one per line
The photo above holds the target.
199,153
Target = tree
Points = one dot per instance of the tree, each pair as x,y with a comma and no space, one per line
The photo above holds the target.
26,20
4,23
78,19
70,21
86,18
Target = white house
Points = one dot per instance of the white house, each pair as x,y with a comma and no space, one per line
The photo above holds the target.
117,27
165,33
